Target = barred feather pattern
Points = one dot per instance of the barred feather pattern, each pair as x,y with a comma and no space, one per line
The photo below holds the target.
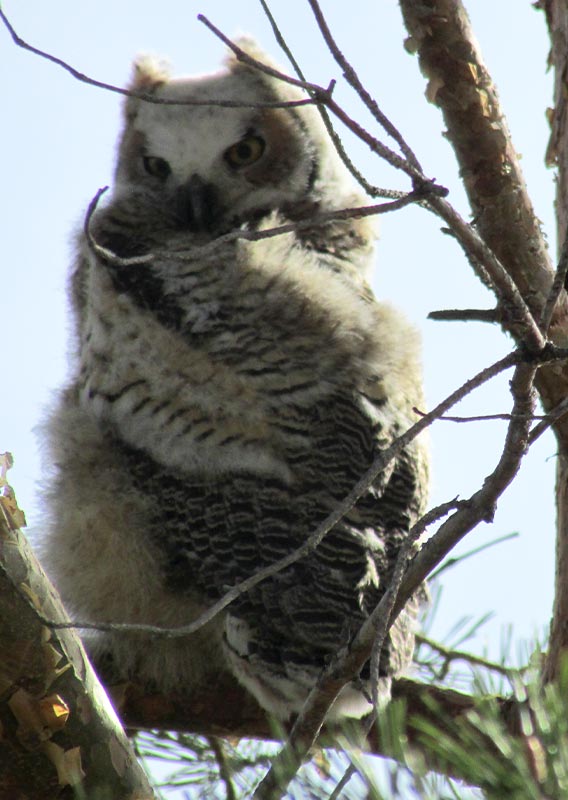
227,395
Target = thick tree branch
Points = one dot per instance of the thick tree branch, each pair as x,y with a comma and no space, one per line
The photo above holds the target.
504,217
58,729
461,86
223,708
557,17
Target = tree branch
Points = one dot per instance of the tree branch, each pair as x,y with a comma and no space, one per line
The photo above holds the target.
224,709
557,17
59,732
149,98
372,191
461,86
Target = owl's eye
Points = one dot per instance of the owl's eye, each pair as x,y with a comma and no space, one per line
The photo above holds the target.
157,167
245,152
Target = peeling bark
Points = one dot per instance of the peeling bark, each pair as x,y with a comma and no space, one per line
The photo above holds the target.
59,736
460,85
557,154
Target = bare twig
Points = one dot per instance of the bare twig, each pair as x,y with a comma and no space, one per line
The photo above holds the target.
549,419
482,417
149,98
324,218
372,191
324,97
368,642
480,507
104,253
243,233
508,294
385,616
353,79
343,781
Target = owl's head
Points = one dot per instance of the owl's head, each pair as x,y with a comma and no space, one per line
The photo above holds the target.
207,168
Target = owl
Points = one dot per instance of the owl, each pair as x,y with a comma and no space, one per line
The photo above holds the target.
225,394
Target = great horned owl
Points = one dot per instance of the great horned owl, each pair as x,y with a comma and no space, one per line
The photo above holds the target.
226,395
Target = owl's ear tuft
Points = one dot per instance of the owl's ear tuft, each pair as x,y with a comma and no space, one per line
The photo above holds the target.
274,88
148,72
251,48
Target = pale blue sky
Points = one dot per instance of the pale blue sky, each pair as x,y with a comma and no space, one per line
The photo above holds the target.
58,141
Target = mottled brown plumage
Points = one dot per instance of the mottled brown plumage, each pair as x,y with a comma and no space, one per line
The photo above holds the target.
225,396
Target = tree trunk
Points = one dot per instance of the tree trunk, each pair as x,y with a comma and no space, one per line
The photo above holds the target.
461,86
59,736
557,18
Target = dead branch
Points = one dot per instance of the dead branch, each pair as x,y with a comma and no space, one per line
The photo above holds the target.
450,655
467,315
223,708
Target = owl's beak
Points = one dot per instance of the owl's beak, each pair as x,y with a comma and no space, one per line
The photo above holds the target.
196,204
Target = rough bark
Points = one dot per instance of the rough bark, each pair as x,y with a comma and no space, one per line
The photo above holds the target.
59,736
557,154
459,84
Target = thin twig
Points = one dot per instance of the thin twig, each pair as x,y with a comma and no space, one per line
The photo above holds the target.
481,417
149,98
346,664
199,251
372,191
385,617
343,781
283,44
352,769
106,255
353,79
324,97
319,92
507,292
552,416
481,506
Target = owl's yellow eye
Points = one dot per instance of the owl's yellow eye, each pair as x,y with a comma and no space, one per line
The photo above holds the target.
157,167
245,152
